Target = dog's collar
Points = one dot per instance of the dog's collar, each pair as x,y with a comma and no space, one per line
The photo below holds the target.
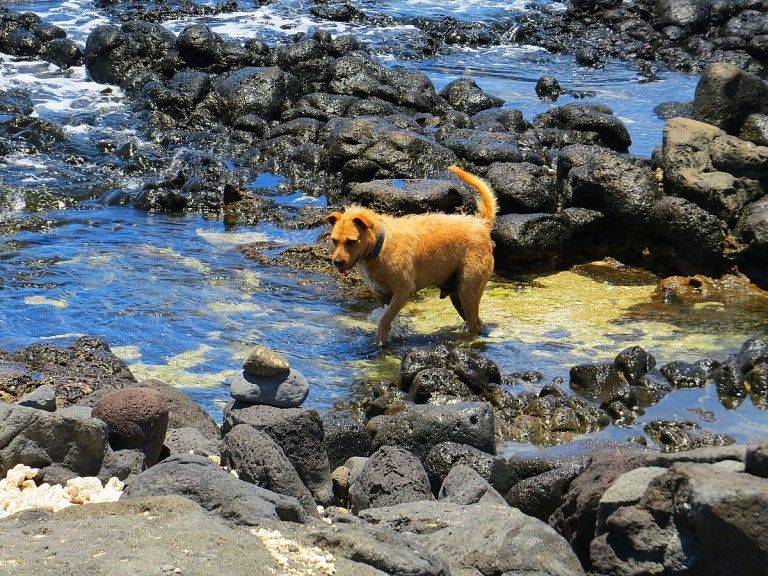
379,243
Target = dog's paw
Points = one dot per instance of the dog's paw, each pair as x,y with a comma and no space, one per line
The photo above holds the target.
381,337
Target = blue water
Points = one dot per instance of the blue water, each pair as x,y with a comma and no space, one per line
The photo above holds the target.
176,298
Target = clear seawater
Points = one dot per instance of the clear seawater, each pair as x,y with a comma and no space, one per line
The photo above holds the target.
176,299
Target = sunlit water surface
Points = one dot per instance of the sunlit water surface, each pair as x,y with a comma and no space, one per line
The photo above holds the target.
177,300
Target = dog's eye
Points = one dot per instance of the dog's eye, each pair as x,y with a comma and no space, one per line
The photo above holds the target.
352,241
335,242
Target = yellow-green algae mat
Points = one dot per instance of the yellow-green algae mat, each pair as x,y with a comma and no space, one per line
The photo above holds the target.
590,313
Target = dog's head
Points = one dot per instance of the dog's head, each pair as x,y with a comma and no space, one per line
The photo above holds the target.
352,237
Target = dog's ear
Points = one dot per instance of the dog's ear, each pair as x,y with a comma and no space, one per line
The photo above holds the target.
363,221
333,217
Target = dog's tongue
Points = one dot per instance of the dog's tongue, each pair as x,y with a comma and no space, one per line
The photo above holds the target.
343,271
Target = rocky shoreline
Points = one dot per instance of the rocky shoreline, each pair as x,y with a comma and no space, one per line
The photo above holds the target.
323,112
412,482
415,487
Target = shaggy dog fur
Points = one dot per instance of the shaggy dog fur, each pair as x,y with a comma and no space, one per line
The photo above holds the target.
397,257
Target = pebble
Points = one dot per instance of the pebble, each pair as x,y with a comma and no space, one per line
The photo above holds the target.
265,362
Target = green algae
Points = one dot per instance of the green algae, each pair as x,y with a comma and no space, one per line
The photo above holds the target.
177,371
549,322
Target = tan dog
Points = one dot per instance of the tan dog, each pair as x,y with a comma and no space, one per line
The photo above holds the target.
397,257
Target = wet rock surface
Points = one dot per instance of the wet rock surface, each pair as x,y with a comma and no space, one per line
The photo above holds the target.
442,505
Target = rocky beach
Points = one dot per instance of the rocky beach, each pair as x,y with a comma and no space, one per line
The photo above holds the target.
188,388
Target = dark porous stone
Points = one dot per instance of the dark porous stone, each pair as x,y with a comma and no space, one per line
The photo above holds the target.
438,386
63,52
484,148
591,57
406,154
408,196
526,239
752,233
215,489
74,372
444,456
539,496
728,379
684,375
419,427
726,96
377,546
753,352
687,14
757,380
130,55
16,101
602,383
499,120
344,439
299,432
523,187
200,47
634,363
756,461
390,476
41,439
682,435
254,90
576,517
695,235
121,464
463,485
588,118
466,96
182,410
259,460
615,185
669,110
481,539
137,418
755,129
548,88
475,370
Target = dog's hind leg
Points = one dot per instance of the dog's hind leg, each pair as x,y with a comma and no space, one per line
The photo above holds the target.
471,285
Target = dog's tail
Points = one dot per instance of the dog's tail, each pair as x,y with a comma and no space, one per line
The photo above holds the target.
486,204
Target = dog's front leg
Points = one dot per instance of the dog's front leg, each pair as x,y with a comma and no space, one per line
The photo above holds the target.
399,299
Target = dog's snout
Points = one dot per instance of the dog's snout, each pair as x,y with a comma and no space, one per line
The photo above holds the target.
338,263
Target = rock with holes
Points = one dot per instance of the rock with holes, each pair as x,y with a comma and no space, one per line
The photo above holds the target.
136,418
390,476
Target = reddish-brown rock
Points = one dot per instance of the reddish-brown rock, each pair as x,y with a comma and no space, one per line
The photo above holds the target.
137,418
